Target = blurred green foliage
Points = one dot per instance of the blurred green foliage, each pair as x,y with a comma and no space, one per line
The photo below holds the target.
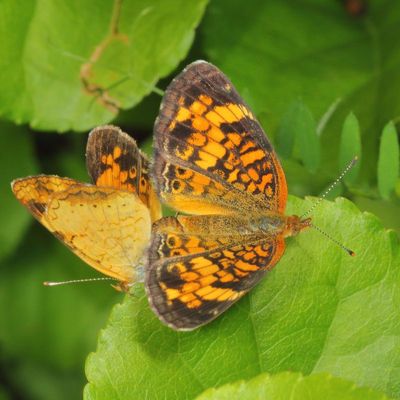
324,83
388,165
350,146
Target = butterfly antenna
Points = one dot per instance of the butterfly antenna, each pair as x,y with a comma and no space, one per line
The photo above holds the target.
349,166
47,283
346,249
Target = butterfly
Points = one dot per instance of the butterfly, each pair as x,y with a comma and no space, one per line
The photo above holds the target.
108,223
212,160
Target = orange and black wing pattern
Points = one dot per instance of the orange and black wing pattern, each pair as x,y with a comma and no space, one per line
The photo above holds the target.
212,159
108,224
35,192
114,160
210,149
195,275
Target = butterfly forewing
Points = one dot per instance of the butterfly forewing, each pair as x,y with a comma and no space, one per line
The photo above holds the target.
206,127
114,160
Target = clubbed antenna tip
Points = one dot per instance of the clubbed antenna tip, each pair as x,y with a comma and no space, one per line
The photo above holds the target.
346,249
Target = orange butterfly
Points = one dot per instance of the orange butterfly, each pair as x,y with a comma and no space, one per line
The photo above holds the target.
213,159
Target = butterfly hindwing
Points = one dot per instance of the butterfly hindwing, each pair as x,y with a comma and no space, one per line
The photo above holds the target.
108,229
34,192
205,126
195,276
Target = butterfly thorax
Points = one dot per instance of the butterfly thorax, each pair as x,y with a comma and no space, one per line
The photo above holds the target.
278,224
270,224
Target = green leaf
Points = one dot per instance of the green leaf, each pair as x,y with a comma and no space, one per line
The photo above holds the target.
319,310
388,163
298,129
17,159
46,332
388,210
294,386
307,141
283,54
72,64
286,133
350,146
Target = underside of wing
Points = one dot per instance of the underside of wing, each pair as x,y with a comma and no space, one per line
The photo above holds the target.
34,192
193,277
205,127
106,228
114,160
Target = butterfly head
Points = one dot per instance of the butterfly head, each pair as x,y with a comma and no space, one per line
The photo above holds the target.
295,224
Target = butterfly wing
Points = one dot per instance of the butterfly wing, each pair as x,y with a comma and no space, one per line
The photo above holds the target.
34,192
114,160
109,229
211,153
195,275
106,228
